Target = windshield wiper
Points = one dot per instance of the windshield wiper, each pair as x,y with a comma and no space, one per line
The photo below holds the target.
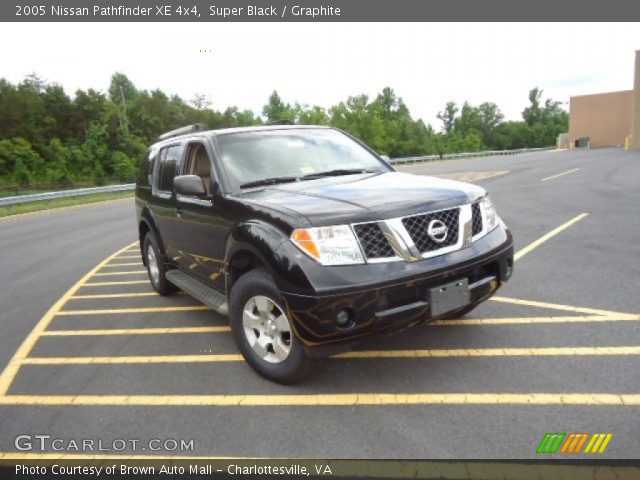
337,172
310,176
269,181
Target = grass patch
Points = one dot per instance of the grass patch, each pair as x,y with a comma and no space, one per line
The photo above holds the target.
6,210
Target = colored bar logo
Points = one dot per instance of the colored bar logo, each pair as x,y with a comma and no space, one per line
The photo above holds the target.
573,442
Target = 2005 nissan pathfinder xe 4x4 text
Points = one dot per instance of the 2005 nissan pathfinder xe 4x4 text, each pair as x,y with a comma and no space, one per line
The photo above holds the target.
310,241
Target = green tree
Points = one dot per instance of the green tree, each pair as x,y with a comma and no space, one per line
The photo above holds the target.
448,117
276,110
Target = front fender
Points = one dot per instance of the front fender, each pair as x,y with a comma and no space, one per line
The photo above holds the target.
264,241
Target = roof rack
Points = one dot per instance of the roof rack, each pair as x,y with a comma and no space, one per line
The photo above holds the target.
196,127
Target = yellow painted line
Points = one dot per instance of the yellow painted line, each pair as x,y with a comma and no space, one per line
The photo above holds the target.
114,295
105,284
132,272
567,308
135,331
534,320
493,352
114,311
137,359
494,174
126,257
560,174
521,253
338,399
11,370
480,352
114,265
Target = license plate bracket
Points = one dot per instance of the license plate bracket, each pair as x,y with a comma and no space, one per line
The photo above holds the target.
449,297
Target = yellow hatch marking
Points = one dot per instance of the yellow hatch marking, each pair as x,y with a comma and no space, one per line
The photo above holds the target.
11,370
534,320
568,308
135,331
532,246
104,284
338,399
114,295
130,264
560,174
132,272
133,310
463,352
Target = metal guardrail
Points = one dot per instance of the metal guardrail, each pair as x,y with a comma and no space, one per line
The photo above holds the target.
451,156
79,192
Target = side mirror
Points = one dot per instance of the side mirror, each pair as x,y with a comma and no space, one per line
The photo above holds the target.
189,185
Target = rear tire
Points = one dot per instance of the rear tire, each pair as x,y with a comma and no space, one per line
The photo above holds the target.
156,268
263,331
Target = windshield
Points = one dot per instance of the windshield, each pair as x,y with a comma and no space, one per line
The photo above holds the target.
290,154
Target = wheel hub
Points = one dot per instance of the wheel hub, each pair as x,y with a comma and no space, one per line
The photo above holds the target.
267,329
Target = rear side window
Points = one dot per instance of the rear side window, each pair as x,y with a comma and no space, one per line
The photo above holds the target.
168,160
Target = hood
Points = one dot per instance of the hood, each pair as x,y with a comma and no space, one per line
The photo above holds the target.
365,197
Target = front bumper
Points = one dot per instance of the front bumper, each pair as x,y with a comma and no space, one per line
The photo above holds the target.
396,300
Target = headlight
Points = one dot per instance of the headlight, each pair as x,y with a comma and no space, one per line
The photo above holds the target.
489,214
335,245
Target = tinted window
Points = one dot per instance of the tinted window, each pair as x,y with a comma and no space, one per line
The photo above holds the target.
169,159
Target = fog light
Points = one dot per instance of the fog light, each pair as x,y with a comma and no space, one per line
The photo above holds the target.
344,318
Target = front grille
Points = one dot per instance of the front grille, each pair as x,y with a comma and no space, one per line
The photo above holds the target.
476,219
373,241
417,227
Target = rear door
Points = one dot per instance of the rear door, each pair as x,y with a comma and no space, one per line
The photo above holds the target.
163,206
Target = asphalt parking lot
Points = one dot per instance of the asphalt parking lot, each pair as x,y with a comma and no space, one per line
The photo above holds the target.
557,351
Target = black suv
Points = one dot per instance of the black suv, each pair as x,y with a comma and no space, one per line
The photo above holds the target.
310,241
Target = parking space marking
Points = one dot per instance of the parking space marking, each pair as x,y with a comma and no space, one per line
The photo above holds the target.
233,357
532,246
534,320
135,331
132,272
115,295
105,284
338,399
568,308
126,257
471,176
560,174
365,354
114,265
11,370
115,311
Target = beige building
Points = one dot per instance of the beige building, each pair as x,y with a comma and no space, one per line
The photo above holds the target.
607,119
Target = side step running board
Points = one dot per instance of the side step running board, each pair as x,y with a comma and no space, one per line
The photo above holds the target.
197,289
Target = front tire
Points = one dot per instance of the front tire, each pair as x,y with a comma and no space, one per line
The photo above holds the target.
156,268
263,331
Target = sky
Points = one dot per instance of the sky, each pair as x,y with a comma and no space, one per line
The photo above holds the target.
322,64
